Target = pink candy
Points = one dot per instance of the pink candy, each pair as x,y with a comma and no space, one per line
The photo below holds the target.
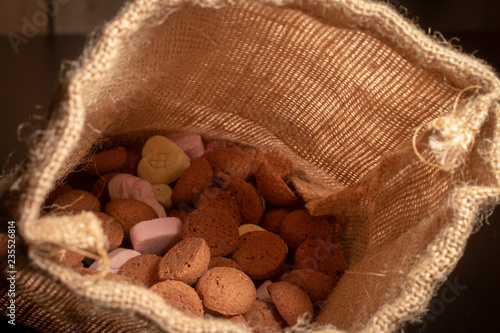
156,236
263,293
117,258
191,144
125,186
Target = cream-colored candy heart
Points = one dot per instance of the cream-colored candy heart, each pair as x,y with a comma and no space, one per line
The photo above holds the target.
162,161
162,194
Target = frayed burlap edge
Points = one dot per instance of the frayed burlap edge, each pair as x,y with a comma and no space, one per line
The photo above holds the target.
63,133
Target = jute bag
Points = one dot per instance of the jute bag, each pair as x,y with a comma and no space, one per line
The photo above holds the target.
392,132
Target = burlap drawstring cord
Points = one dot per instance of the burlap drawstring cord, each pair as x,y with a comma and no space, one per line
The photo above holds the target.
443,124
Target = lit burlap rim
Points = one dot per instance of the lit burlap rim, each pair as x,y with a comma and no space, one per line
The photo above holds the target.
340,86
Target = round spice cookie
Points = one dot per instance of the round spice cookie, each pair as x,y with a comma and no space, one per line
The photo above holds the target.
112,229
226,290
230,163
109,276
192,182
238,319
291,302
181,213
320,255
223,262
271,221
260,253
281,164
129,212
216,227
180,296
131,161
317,285
263,318
75,201
110,160
142,269
248,199
299,225
186,261
218,198
272,187
100,188
56,192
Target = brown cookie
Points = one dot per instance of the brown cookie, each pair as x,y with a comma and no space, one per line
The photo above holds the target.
129,212
142,269
56,192
316,284
131,161
180,296
109,276
248,199
226,290
271,221
320,255
216,227
281,164
299,225
260,253
100,188
112,229
230,163
238,319
218,198
272,187
192,182
75,201
186,261
71,258
263,318
291,302
223,262
106,161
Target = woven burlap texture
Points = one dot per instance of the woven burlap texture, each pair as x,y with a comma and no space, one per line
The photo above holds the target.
340,86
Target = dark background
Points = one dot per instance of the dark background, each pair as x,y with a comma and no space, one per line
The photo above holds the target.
468,302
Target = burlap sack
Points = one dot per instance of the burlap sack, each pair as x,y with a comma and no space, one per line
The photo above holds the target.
394,133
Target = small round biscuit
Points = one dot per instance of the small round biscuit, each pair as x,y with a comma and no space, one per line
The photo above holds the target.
192,182
142,269
109,276
291,302
56,192
129,212
223,262
100,188
216,227
132,160
75,201
272,187
320,255
186,261
260,253
248,199
271,221
281,164
263,318
110,160
299,225
230,163
317,285
220,199
226,290
112,229
180,296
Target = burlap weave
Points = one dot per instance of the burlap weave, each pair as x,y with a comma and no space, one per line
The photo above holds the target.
340,86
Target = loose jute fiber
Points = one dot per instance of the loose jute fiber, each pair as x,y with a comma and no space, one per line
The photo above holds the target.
393,132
